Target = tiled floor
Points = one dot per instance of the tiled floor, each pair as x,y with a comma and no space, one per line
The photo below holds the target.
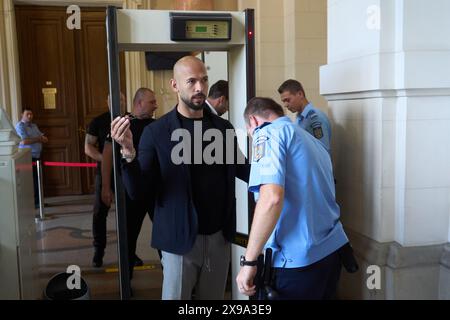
65,238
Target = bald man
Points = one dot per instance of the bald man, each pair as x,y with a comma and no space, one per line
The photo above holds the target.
144,106
194,199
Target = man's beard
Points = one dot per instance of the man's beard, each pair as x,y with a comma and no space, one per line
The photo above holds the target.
191,104
144,116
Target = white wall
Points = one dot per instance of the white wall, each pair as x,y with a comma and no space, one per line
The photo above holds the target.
388,89
363,160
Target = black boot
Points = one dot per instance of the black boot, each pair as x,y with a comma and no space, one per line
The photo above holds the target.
97,261
138,261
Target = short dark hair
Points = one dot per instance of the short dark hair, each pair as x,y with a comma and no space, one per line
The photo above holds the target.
262,107
26,109
293,86
140,94
219,89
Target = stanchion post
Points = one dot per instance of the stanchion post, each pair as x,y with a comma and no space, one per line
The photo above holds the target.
41,189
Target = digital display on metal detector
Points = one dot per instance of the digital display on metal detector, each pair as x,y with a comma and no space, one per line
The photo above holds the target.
206,30
200,26
201,29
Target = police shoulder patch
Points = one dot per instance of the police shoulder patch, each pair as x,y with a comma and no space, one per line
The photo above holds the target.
259,148
318,132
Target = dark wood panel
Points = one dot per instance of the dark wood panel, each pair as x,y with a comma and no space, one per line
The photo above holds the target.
58,131
48,62
57,180
96,68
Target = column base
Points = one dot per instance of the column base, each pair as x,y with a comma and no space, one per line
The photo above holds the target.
406,273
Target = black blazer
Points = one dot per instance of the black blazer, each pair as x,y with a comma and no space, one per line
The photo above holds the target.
153,177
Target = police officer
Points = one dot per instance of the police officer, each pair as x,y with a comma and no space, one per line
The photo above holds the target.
309,118
32,138
296,214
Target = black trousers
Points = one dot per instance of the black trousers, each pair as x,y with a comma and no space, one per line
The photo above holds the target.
35,183
100,215
317,281
136,212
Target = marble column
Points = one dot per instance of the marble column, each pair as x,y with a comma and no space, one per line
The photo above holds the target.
10,96
387,82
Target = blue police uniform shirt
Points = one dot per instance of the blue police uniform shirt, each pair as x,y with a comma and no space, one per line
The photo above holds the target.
308,229
317,124
27,131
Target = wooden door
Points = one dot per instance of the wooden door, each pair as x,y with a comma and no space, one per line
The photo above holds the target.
75,63
47,62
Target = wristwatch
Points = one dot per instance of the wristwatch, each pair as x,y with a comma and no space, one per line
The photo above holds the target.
244,262
128,157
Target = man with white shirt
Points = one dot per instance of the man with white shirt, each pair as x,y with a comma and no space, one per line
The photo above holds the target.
32,138
218,100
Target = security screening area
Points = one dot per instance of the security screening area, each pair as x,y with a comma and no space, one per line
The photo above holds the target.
229,33
193,31
277,148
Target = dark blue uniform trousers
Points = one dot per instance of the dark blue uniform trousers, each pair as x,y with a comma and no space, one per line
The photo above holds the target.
317,281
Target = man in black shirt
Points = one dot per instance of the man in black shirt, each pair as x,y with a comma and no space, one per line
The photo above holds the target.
98,130
209,187
194,197
144,106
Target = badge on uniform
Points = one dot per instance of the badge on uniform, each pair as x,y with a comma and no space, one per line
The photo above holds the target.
318,132
259,148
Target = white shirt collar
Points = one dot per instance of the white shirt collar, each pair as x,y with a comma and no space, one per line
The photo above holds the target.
211,107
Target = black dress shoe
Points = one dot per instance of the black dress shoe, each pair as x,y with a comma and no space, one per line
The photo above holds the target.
138,261
97,261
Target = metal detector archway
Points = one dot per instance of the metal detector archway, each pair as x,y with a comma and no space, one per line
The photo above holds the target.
165,31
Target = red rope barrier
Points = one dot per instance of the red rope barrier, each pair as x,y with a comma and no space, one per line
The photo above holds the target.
68,164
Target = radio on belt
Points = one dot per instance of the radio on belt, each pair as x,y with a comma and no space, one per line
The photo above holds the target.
200,26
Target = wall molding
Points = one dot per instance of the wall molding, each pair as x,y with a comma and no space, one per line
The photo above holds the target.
380,94
445,260
396,256
404,70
